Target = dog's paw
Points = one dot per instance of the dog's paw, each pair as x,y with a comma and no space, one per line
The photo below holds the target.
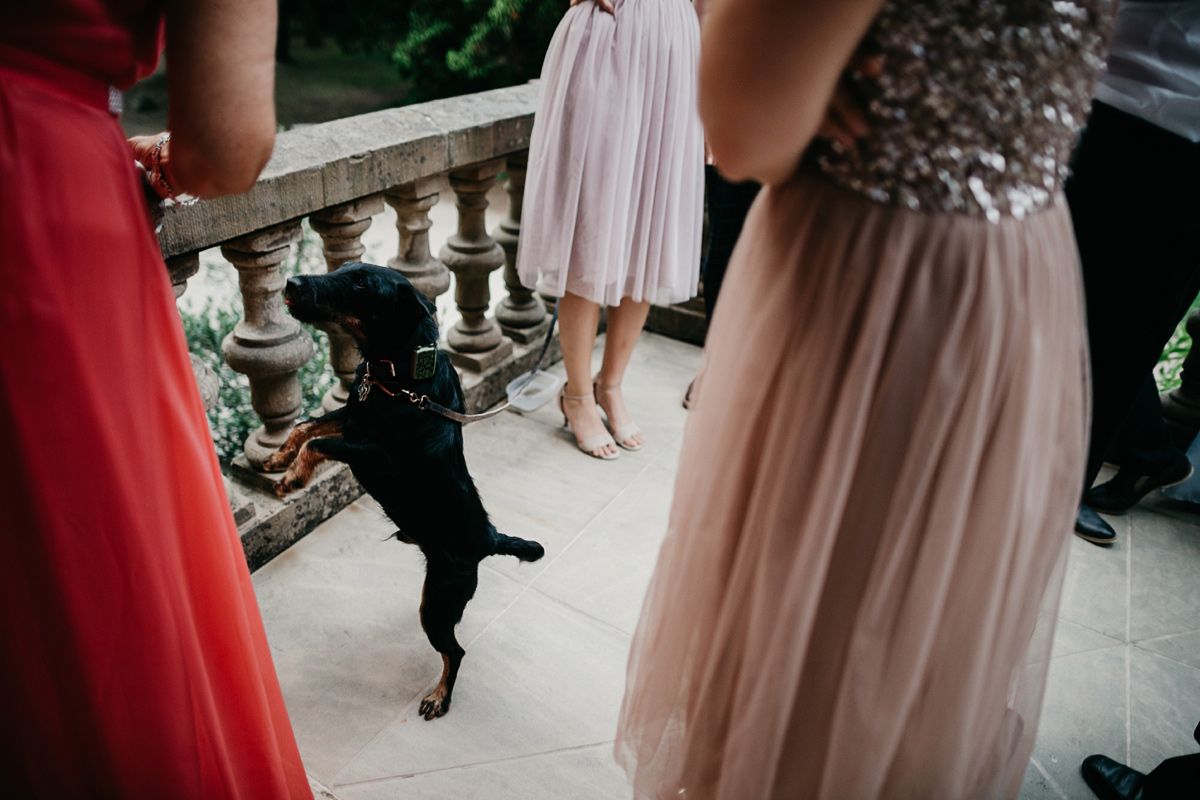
278,462
287,485
435,704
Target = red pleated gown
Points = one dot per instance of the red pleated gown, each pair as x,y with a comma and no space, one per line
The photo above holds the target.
133,661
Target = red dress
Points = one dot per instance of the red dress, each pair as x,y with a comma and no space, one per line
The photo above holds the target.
133,661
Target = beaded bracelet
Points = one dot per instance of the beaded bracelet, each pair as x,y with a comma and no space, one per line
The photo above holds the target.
158,177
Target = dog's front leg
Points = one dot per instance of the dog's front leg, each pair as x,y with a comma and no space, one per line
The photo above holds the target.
328,425
314,451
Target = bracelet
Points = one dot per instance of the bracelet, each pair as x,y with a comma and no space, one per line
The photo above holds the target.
158,178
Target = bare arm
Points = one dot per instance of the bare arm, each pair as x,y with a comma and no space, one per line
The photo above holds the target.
221,90
768,69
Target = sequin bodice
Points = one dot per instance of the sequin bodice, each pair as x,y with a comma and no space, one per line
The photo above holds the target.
978,106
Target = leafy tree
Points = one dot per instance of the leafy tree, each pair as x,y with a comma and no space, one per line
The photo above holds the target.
442,47
457,46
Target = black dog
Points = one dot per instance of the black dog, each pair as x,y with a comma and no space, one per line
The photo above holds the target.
408,458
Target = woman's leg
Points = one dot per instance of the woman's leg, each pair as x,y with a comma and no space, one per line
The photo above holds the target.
625,323
577,322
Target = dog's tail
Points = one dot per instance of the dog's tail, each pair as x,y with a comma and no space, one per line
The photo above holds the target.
521,548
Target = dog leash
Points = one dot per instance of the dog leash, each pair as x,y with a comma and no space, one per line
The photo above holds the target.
424,402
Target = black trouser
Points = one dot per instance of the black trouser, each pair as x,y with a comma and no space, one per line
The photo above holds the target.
728,204
1134,195
1174,778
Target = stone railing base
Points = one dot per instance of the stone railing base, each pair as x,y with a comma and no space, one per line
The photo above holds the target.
682,321
278,524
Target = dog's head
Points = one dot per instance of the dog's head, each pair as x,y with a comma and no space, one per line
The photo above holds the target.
377,306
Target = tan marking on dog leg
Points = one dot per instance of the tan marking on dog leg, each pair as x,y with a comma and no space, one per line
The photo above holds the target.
297,439
301,470
434,704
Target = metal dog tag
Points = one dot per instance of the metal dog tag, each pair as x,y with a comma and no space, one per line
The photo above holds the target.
424,362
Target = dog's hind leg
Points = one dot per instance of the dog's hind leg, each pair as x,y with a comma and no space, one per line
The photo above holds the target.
523,549
328,425
447,590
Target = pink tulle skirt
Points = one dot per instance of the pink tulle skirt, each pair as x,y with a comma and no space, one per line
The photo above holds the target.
857,594
615,189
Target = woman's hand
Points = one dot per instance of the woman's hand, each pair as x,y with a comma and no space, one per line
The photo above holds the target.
142,147
844,121
604,5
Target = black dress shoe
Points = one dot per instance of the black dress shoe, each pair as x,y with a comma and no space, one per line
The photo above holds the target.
1091,526
1127,487
1111,780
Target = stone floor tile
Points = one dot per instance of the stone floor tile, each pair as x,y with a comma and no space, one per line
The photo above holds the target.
1084,713
586,773
1096,588
319,790
341,612
541,677
605,571
1165,556
1182,647
1071,638
1164,709
1037,786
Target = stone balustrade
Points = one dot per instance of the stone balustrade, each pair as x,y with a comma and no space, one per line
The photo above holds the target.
338,175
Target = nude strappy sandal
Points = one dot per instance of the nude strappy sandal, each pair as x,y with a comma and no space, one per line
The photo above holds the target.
592,444
622,434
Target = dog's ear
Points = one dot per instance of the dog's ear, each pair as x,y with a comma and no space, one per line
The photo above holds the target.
425,301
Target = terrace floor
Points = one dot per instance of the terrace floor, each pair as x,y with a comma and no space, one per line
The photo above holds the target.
536,703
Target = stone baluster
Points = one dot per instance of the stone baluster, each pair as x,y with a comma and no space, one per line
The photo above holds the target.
341,228
412,202
267,346
1182,405
476,342
181,269
521,314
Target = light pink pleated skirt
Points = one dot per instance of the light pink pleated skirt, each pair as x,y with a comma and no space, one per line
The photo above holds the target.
857,594
615,188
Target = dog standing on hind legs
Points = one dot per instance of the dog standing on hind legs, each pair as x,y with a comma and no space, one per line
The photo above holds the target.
405,455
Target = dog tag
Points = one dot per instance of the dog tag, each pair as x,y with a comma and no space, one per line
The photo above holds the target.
424,362
364,389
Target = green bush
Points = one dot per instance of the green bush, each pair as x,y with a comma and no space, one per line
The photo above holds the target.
452,47
206,326
1170,364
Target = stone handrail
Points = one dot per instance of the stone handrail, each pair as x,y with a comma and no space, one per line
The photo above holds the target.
338,175
320,166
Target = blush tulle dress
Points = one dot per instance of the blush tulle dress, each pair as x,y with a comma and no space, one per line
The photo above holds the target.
133,662
614,193
857,593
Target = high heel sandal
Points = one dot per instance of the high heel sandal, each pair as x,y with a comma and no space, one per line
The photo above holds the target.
626,432
592,444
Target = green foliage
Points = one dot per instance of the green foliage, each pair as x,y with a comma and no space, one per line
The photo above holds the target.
206,325
441,48
1171,362
452,47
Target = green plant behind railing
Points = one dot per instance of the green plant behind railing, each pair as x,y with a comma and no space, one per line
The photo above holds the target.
207,323
1171,362
451,47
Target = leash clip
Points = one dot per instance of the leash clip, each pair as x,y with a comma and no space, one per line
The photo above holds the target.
420,401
